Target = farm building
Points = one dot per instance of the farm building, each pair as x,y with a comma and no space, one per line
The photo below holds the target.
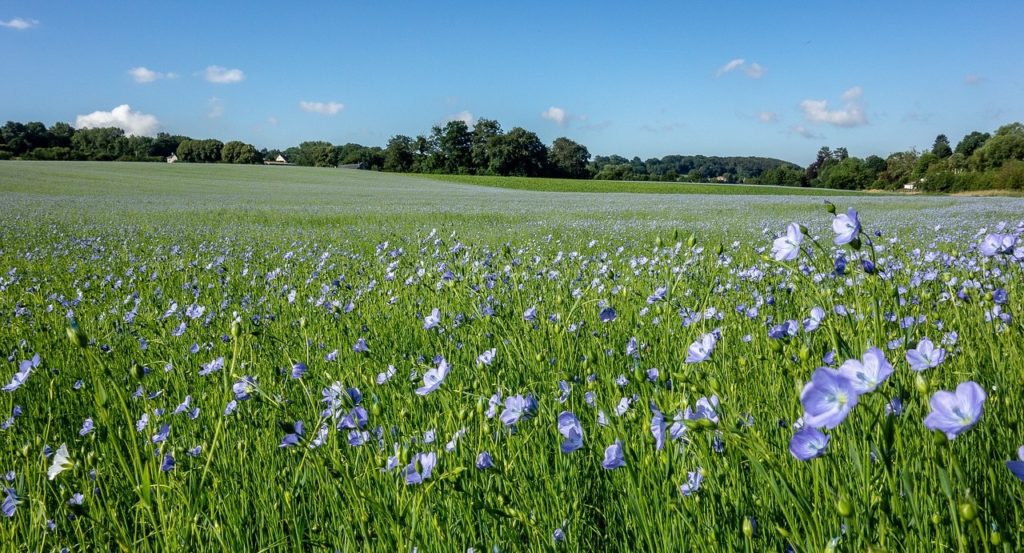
279,160
173,158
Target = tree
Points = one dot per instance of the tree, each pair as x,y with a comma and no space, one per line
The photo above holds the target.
1006,144
484,135
101,144
519,153
165,144
569,159
899,168
199,151
61,134
398,155
941,147
453,148
848,174
972,142
236,151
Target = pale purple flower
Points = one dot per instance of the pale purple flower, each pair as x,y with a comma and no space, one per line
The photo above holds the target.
530,314
487,357
814,321
955,412
867,373
10,503
808,443
570,428
432,378
517,408
846,227
925,356
87,428
657,427
787,246
703,410
828,398
701,349
162,433
168,463
292,438
360,346
386,375
484,461
1017,467
996,244
613,456
607,315
432,320
658,295
426,462
212,367
24,369
298,370
693,482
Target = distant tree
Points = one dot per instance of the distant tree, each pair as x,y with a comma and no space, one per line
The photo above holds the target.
453,148
482,142
100,144
1006,144
323,155
941,147
199,151
519,153
398,155
61,134
570,159
137,148
972,142
236,151
847,174
899,168
165,144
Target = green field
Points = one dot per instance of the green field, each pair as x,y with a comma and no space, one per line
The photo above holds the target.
218,306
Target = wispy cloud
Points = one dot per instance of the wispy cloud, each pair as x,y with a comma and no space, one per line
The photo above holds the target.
143,75
662,128
122,117
19,24
805,132
850,115
768,117
555,114
215,108
973,79
753,70
222,75
465,116
323,108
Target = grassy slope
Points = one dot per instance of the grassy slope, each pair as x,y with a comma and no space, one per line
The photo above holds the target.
575,185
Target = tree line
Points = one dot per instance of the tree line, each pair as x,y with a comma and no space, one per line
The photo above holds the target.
980,160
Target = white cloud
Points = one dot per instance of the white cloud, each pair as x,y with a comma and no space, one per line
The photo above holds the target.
216,108
973,79
558,115
850,115
222,75
730,67
272,120
122,117
464,116
19,24
323,108
805,132
768,117
143,75
753,69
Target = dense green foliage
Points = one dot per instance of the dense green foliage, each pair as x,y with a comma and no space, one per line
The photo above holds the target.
980,161
168,268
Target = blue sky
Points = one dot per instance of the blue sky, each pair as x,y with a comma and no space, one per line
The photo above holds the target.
776,79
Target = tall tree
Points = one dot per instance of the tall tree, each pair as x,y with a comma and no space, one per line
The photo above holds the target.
569,159
519,153
941,147
398,155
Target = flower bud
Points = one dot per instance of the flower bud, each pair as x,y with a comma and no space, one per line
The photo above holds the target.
748,527
691,241
236,329
76,335
844,507
968,509
830,207
921,384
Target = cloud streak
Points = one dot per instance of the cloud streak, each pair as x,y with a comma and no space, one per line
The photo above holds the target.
851,114
19,24
143,75
555,114
323,108
222,75
753,70
133,123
